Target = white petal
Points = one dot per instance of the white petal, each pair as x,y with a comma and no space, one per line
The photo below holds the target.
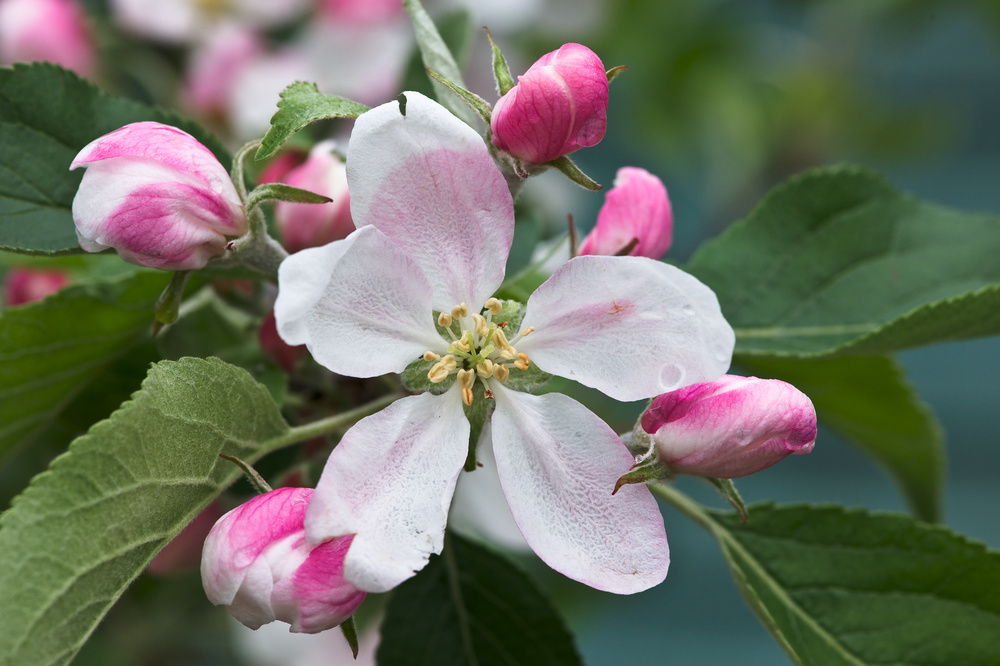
630,327
360,305
558,463
480,508
427,181
390,482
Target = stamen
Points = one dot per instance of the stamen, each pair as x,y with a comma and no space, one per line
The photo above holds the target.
460,310
431,356
485,369
466,378
493,305
522,362
501,372
488,395
467,396
481,327
444,320
439,372
500,340
523,333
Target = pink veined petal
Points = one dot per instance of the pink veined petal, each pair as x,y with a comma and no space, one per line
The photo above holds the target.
630,327
164,144
428,182
558,463
360,305
637,207
390,482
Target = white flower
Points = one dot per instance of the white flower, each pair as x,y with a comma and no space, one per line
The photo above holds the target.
435,223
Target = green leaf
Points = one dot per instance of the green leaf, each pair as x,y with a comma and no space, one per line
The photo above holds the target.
869,402
438,57
837,261
837,586
471,99
302,103
52,350
47,115
282,192
501,72
85,529
471,607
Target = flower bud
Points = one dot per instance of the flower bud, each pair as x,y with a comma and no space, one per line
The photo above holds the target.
636,208
156,195
311,225
558,106
47,30
258,563
26,285
731,427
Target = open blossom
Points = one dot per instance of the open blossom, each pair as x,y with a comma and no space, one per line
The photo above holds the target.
638,209
311,225
435,224
557,107
158,196
730,427
257,563
46,30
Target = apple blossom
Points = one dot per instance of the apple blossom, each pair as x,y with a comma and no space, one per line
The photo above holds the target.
636,208
47,30
435,224
258,563
557,107
730,427
310,225
26,285
157,196
180,21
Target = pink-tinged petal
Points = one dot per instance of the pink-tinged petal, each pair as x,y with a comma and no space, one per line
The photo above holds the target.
636,208
165,145
390,482
558,463
311,225
360,305
46,30
630,327
480,508
321,596
731,427
428,182
27,285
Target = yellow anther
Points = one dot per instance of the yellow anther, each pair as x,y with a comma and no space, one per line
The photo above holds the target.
522,362
500,340
481,327
466,378
526,331
467,396
439,372
463,344
460,310
485,369
501,372
508,354
493,305
450,362
431,356
444,320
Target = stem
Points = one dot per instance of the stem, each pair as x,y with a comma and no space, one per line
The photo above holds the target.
327,425
685,505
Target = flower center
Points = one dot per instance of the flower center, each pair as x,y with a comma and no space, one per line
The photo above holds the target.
481,350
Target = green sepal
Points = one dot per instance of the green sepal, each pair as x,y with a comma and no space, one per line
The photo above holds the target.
527,381
727,489
474,101
414,378
350,631
301,104
613,73
654,471
573,172
501,72
282,192
478,413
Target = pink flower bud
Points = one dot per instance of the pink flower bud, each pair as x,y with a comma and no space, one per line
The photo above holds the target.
156,195
636,208
558,106
47,30
26,285
731,427
311,225
258,563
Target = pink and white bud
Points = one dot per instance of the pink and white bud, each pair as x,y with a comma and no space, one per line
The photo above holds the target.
258,564
311,225
46,30
731,427
557,107
156,195
636,208
27,285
